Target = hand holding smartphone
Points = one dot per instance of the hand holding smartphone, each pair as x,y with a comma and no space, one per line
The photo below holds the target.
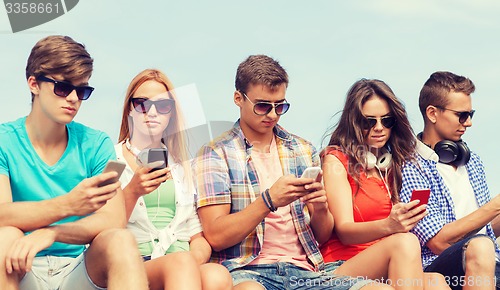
421,194
157,158
116,166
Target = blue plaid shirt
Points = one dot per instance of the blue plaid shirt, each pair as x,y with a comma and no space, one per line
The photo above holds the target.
225,174
424,174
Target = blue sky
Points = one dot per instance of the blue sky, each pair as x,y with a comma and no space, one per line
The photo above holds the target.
325,46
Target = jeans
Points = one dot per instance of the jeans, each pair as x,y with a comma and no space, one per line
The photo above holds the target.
288,276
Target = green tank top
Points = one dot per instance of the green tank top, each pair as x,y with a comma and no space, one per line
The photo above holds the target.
160,206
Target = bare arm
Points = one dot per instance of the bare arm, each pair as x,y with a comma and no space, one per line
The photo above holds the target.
110,213
143,182
83,231
340,203
458,229
28,216
223,230
495,224
200,248
321,219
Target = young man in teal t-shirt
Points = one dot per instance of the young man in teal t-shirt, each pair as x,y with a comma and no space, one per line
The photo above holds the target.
51,206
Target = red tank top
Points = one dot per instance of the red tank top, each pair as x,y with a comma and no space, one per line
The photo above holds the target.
371,202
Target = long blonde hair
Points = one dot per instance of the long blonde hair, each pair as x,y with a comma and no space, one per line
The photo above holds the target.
174,136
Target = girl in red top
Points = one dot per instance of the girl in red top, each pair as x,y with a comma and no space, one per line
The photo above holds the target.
362,175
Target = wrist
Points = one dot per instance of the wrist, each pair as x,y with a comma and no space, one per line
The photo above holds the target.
50,231
63,206
266,197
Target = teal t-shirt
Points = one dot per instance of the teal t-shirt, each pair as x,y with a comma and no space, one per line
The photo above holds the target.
31,179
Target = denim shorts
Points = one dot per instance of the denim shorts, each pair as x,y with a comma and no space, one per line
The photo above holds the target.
451,263
58,273
282,275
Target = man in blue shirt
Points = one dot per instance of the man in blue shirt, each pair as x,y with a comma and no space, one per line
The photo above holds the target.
51,204
456,235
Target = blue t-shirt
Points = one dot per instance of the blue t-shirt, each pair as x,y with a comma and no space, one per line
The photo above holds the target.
31,179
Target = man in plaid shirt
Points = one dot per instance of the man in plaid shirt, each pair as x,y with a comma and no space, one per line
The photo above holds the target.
260,218
457,237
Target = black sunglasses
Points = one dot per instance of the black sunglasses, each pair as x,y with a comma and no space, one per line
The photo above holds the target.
143,105
370,122
263,108
463,116
63,89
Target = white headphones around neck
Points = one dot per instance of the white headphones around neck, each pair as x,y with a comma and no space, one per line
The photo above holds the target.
382,163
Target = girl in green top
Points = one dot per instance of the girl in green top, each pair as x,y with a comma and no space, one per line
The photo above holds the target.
160,204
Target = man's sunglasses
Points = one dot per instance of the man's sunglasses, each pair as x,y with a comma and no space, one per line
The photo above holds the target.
63,89
263,108
370,122
463,116
143,105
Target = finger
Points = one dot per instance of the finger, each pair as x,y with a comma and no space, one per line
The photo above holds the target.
143,170
155,164
314,198
15,257
411,204
22,259
300,181
98,179
8,264
29,259
314,186
154,183
164,172
417,210
110,188
102,199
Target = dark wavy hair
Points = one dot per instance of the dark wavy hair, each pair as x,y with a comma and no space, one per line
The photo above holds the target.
349,138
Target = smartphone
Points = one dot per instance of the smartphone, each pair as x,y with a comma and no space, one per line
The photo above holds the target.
421,194
116,166
311,172
150,155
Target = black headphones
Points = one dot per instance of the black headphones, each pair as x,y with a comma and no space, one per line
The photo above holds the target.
451,152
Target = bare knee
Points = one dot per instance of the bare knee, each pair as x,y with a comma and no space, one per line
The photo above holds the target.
480,253
215,277
404,244
250,285
115,244
9,235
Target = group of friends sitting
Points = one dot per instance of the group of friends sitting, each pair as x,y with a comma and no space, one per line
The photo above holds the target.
241,214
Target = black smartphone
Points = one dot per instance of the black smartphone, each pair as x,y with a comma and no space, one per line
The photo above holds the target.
158,154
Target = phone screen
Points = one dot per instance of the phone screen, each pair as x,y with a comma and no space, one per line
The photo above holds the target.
158,154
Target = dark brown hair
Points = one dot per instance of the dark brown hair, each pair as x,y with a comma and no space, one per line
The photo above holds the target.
436,89
260,69
348,135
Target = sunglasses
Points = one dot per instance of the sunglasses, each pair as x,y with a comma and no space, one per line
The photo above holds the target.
263,108
63,89
143,105
463,116
370,122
